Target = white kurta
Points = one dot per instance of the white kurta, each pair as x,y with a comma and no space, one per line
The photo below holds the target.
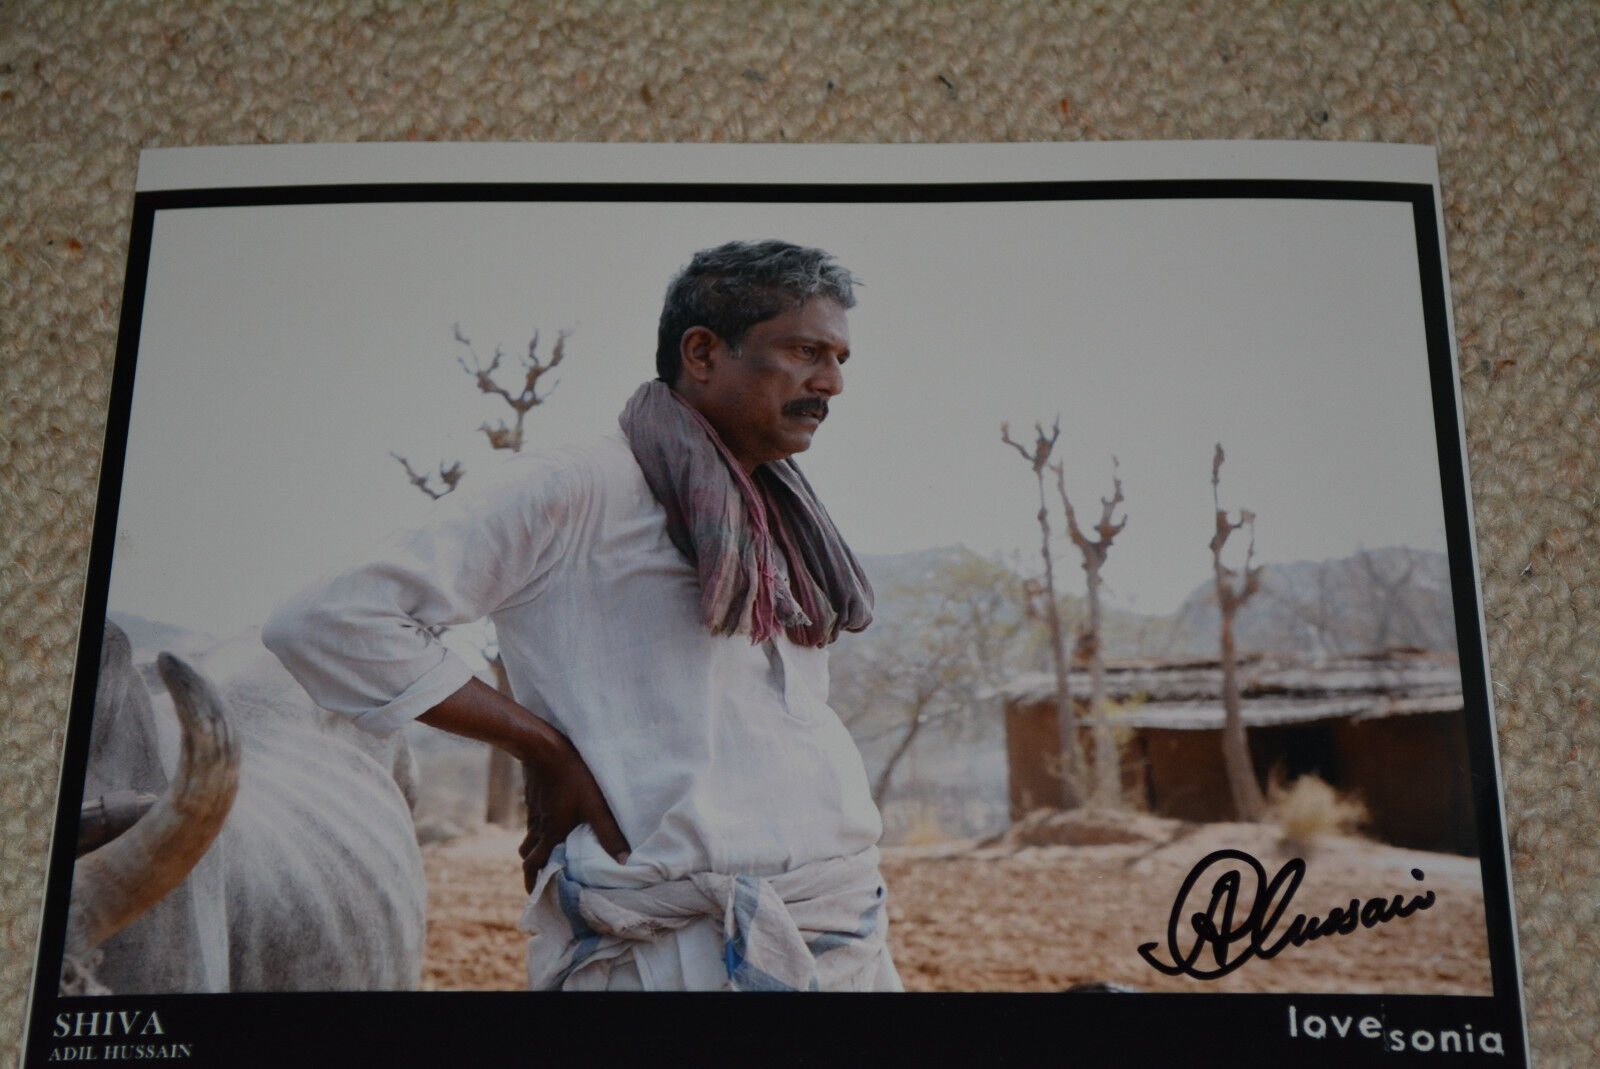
715,754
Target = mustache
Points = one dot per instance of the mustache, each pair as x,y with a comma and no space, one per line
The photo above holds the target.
815,407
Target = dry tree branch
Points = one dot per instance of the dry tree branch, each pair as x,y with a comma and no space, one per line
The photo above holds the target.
1230,596
1106,529
1041,448
500,435
448,476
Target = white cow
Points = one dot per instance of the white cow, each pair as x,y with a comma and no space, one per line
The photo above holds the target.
314,881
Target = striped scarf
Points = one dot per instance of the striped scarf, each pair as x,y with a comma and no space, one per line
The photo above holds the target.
767,553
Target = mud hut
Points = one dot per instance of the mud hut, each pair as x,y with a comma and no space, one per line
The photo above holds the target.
1387,728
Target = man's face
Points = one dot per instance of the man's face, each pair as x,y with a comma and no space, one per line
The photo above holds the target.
767,398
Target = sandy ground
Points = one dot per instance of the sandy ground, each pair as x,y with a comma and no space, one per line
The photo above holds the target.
1018,916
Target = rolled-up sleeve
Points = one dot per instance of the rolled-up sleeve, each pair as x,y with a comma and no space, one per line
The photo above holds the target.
360,642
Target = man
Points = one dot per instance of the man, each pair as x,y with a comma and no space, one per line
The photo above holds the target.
663,600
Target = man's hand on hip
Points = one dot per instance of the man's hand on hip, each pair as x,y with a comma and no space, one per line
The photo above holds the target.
561,794
561,791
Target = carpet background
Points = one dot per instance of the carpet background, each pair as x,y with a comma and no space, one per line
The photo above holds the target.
1509,92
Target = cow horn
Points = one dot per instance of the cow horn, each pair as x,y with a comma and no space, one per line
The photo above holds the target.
109,816
113,885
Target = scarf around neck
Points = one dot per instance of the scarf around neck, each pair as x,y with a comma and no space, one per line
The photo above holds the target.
740,531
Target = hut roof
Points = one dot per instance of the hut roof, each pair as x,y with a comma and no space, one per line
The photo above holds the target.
1268,712
1186,694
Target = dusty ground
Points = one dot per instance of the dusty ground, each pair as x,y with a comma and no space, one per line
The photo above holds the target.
474,898
1017,917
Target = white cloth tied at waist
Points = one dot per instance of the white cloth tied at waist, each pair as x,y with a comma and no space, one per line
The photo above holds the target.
816,927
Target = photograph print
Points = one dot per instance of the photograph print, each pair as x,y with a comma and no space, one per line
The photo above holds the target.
1015,574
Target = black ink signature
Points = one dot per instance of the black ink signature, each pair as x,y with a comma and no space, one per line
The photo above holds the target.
1232,945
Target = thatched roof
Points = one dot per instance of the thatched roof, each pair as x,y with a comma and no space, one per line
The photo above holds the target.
1187,694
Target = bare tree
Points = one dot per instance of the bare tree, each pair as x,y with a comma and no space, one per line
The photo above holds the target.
503,802
1072,777
1107,761
926,664
922,685
1233,590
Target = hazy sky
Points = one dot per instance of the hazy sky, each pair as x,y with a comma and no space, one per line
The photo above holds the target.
286,350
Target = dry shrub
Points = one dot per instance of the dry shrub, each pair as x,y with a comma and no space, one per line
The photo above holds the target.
1309,808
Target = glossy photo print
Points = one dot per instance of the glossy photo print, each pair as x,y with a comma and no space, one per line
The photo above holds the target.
1011,590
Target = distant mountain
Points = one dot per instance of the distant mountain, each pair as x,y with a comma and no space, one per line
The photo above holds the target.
1380,598
1392,596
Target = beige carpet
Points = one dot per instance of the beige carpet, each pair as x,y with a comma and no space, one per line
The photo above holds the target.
1509,92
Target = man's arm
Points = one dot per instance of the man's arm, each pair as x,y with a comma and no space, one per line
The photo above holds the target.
361,643
561,791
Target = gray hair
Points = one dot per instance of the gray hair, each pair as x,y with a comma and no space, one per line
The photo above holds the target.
731,288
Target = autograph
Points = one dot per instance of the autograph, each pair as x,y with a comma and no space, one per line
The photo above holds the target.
1232,945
